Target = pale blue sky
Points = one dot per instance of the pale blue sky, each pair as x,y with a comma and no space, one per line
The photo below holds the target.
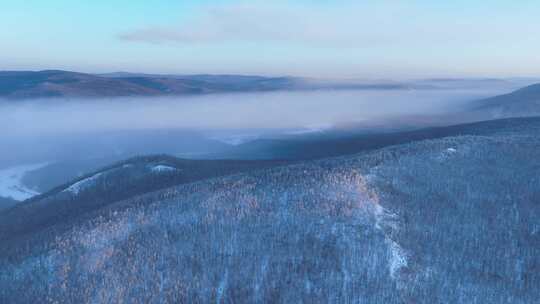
367,39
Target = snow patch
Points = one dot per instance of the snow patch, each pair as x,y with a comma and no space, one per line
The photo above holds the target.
79,186
236,139
386,220
222,287
318,128
398,259
163,168
535,230
11,182
445,154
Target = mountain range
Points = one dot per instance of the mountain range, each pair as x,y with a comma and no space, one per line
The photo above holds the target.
19,85
57,83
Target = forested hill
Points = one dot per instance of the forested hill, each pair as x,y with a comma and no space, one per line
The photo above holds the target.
315,146
447,220
522,102
57,83
119,181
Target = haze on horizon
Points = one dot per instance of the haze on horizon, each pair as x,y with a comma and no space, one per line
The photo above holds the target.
323,39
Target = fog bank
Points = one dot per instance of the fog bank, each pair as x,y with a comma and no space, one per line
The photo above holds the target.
289,110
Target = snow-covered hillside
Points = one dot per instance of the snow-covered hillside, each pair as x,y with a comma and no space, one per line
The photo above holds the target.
11,182
451,220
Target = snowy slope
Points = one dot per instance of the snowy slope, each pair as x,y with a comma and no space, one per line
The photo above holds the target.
11,182
452,220
86,183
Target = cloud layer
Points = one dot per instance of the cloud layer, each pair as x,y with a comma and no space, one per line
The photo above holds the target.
253,23
383,23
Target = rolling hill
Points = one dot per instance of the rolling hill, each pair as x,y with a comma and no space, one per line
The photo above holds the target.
57,83
522,102
336,143
395,225
119,181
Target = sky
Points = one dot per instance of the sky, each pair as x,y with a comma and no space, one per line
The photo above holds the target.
314,38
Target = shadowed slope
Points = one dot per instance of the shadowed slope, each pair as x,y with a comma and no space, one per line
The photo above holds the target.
120,181
523,102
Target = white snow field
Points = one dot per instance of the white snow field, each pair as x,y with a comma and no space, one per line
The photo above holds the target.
83,184
11,181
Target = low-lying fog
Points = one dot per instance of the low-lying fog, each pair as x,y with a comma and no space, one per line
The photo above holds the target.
229,111
82,127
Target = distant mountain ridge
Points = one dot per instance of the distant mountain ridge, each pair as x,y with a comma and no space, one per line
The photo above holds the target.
323,145
58,83
522,102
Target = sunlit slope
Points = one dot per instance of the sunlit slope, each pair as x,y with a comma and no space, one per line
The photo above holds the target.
450,220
